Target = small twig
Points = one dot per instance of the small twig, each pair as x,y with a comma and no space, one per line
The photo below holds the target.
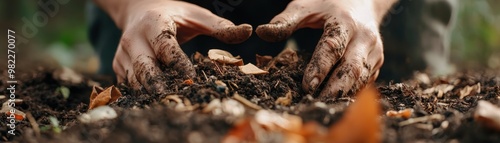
34,124
277,84
244,101
234,84
206,78
218,68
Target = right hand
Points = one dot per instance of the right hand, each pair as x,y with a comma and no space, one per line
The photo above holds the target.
152,31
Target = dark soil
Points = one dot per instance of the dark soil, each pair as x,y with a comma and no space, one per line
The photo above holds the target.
145,118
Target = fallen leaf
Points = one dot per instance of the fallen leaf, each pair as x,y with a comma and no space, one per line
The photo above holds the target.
224,57
488,115
360,122
110,94
287,56
262,60
470,90
251,69
406,113
285,100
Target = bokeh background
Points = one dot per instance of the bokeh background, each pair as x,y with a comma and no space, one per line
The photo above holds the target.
63,40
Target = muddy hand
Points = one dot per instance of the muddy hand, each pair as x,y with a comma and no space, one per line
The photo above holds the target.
350,47
152,31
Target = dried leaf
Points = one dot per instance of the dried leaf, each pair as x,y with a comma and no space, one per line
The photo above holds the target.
224,57
251,69
286,100
470,90
406,113
241,132
488,115
287,56
262,60
360,122
105,97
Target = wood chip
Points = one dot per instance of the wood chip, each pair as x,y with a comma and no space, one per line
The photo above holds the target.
245,102
252,69
224,57
488,115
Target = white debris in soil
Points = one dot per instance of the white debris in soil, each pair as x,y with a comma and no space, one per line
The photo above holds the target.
97,114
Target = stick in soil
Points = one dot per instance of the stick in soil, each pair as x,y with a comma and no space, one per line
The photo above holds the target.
244,101
34,124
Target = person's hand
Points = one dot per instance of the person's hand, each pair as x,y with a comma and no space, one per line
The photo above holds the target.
350,47
152,31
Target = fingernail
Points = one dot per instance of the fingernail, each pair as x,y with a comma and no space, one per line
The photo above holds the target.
314,83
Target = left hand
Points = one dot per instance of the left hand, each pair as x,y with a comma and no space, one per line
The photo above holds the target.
350,47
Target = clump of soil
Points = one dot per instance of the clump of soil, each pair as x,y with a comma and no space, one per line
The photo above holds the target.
145,118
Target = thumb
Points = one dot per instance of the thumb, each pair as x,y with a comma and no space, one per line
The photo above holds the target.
283,24
219,28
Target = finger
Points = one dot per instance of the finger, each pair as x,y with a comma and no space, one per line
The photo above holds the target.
356,69
126,72
166,49
205,22
143,67
329,50
285,23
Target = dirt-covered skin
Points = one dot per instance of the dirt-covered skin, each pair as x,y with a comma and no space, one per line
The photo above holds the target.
152,31
143,116
350,47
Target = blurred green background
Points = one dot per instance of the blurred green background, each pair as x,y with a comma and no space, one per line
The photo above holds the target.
475,39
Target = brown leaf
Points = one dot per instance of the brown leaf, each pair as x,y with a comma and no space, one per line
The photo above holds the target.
360,122
251,69
470,90
287,56
488,115
262,60
224,57
105,97
241,132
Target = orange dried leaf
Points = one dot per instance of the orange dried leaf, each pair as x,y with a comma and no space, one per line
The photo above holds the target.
360,122
188,82
251,69
105,97
224,57
406,113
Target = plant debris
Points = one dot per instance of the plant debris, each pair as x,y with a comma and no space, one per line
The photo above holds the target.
224,57
406,113
101,97
252,69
